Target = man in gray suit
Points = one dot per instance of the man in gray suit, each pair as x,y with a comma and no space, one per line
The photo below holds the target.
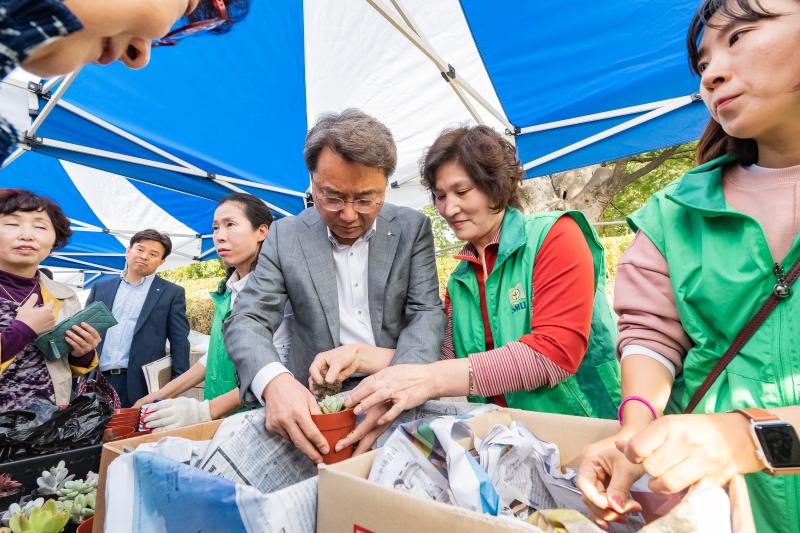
356,271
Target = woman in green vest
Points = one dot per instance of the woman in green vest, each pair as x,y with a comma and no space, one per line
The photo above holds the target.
241,223
709,250
529,325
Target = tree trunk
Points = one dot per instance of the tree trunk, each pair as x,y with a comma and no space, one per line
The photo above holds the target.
589,189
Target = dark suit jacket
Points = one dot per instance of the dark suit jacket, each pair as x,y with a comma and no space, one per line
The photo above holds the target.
296,264
163,316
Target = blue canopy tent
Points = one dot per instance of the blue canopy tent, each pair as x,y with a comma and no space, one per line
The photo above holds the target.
123,150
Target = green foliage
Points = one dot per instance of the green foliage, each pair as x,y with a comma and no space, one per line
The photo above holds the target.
206,269
636,194
443,236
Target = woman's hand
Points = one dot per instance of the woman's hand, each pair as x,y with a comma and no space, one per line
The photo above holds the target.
404,386
150,398
605,477
679,450
83,338
39,319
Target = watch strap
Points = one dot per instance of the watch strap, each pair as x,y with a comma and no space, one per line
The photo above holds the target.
756,415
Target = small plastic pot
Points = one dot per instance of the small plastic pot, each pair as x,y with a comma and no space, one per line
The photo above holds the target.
127,411
334,427
86,525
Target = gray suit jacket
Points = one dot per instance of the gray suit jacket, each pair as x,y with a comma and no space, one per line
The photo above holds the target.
296,262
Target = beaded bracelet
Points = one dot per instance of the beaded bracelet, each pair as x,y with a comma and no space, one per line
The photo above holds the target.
635,399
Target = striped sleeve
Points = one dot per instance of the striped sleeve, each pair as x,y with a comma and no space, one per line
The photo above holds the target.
514,367
448,347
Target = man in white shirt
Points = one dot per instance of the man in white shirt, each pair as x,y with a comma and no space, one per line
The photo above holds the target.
356,271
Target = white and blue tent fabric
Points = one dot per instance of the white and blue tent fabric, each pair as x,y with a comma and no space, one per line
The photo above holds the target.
572,83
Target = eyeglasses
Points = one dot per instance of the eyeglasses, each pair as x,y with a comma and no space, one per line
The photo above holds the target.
198,26
362,205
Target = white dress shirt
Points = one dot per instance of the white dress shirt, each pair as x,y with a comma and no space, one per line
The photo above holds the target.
127,307
351,263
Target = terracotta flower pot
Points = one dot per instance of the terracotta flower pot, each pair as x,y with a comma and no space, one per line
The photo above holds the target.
112,434
127,411
334,427
124,419
86,525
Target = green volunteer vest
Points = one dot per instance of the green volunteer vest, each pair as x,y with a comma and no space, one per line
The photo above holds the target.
594,390
220,370
722,271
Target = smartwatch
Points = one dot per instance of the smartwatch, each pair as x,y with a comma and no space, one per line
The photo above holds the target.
777,444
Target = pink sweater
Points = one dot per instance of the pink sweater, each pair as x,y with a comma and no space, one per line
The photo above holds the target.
643,297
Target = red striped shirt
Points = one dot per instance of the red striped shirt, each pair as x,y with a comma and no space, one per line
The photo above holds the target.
561,316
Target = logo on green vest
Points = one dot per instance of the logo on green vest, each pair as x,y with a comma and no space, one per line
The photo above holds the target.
517,298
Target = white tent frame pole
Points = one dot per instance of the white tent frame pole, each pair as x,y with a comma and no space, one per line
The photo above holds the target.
609,114
80,262
641,119
88,281
206,253
440,63
456,88
163,153
125,135
13,157
48,86
48,108
60,145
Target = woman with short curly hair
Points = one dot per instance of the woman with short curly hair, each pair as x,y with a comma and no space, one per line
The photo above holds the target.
31,227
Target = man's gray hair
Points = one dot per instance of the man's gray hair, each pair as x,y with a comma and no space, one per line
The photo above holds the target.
356,137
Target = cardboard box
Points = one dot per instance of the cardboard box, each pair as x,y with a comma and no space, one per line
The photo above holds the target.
348,503
112,450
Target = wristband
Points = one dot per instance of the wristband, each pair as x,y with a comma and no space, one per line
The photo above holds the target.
635,399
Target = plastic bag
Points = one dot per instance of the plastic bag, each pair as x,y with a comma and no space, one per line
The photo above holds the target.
42,428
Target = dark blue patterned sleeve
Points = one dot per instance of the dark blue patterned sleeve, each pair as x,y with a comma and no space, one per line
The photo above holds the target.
24,25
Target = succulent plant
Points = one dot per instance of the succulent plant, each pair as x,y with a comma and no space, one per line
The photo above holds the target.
45,519
8,486
25,509
51,481
79,508
331,404
77,498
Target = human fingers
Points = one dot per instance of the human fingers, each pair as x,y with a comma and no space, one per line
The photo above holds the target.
77,343
365,444
367,387
299,439
590,481
317,369
394,411
94,335
30,302
686,473
365,426
82,331
672,451
648,440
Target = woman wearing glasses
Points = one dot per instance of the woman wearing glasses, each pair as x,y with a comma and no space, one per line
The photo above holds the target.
52,37
528,322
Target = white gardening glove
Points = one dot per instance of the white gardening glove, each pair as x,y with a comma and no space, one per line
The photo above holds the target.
176,413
